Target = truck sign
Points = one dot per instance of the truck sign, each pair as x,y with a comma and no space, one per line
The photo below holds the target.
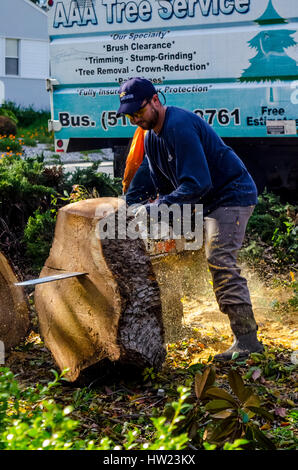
233,62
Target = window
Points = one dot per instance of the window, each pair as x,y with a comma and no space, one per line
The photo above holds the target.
12,57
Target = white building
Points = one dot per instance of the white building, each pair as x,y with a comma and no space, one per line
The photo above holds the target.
24,54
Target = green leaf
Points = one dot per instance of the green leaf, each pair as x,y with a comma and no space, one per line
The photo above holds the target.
261,412
224,414
224,429
211,377
217,405
208,446
192,430
262,440
237,385
220,393
204,381
236,445
235,355
253,400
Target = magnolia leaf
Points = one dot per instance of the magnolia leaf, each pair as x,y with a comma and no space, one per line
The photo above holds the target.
217,405
192,431
200,381
203,381
263,441
237,385
211,377
224,414
261,412
223,430
253,400
216,392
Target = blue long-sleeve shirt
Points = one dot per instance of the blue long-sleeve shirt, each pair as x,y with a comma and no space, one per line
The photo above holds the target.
199,165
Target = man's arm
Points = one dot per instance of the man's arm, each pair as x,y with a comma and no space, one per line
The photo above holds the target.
192,172
162,184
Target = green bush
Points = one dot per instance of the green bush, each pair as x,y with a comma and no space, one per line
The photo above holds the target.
30,196
274,224
90,179
38,236
25,116
10,144
8,113
30,420
22,189
32,124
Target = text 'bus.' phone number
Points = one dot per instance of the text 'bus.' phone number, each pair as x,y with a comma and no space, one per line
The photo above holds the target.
222,116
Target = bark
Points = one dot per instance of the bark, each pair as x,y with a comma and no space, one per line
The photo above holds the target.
112,313
14,312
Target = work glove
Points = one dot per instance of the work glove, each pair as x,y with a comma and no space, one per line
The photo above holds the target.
149,224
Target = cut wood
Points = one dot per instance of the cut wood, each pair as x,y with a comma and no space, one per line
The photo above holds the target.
14,312
114,312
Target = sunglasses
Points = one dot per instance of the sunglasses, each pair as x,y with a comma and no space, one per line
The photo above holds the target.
140,111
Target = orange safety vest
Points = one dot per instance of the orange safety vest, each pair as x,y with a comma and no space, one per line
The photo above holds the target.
134,157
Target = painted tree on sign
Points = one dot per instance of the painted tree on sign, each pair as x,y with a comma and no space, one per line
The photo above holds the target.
271,62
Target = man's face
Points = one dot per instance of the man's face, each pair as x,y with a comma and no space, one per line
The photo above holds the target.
147,116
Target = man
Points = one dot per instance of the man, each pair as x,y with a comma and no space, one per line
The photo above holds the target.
186,154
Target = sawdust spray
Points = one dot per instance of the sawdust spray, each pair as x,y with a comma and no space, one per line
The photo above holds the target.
180,276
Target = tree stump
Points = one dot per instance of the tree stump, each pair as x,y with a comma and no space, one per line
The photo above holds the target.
14,312
112,313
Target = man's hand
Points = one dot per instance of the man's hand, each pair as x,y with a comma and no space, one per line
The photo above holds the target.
150,225
141,212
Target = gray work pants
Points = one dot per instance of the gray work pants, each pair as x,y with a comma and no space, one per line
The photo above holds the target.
224,231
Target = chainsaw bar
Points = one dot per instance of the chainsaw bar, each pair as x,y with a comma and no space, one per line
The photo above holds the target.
54,277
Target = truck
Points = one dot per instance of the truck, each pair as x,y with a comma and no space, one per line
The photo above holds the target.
232,62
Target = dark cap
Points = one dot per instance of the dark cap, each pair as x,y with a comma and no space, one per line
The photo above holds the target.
132,94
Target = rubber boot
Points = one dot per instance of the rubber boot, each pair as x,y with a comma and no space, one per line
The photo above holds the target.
244,327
